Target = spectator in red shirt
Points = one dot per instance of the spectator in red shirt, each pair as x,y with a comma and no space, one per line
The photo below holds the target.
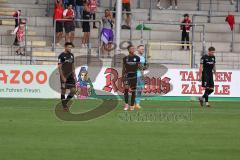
20,32
69,25
93,9
185,28
17,15
58,14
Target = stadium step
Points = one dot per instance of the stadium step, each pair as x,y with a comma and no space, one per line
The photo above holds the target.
7,9
43,53
6,13
36,43
7,22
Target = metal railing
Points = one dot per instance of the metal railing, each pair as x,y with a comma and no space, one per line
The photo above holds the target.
209,21
79,20
178,24
215,4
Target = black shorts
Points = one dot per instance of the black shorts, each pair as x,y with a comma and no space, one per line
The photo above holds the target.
126,7
85,27
131,81
207,80
70,83
59,26
69,27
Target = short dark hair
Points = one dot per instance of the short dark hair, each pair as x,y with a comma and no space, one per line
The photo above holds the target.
130,46
210,49
69,4
186,15
68,44
141,45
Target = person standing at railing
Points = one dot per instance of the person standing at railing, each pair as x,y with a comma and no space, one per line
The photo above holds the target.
185,28
86,25
69,25
79,10
58,14
107,32
17,15
126,6
20,32
93,8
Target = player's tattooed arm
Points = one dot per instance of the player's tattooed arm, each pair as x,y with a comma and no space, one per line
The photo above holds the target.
61,72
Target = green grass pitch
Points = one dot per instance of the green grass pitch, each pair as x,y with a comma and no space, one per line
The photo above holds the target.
29,130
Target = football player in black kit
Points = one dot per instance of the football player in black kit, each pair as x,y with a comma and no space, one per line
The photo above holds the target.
67,74
207,68
131,64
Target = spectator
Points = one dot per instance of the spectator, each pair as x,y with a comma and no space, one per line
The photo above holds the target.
86,25
79,10
69,25
126,6
93,9
58,14
107,32
159,4
20,32
171,4
17,15
185,28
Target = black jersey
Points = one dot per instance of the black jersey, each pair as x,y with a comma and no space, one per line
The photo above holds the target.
67,61
208,63
131,64
86,16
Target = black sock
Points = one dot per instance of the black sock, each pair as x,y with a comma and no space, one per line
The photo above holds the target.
206,93
133,98
210,91
126,96
69,97
63,100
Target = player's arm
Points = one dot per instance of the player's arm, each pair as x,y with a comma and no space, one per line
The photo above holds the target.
74,74
201,68
214,69
61,72
200,71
